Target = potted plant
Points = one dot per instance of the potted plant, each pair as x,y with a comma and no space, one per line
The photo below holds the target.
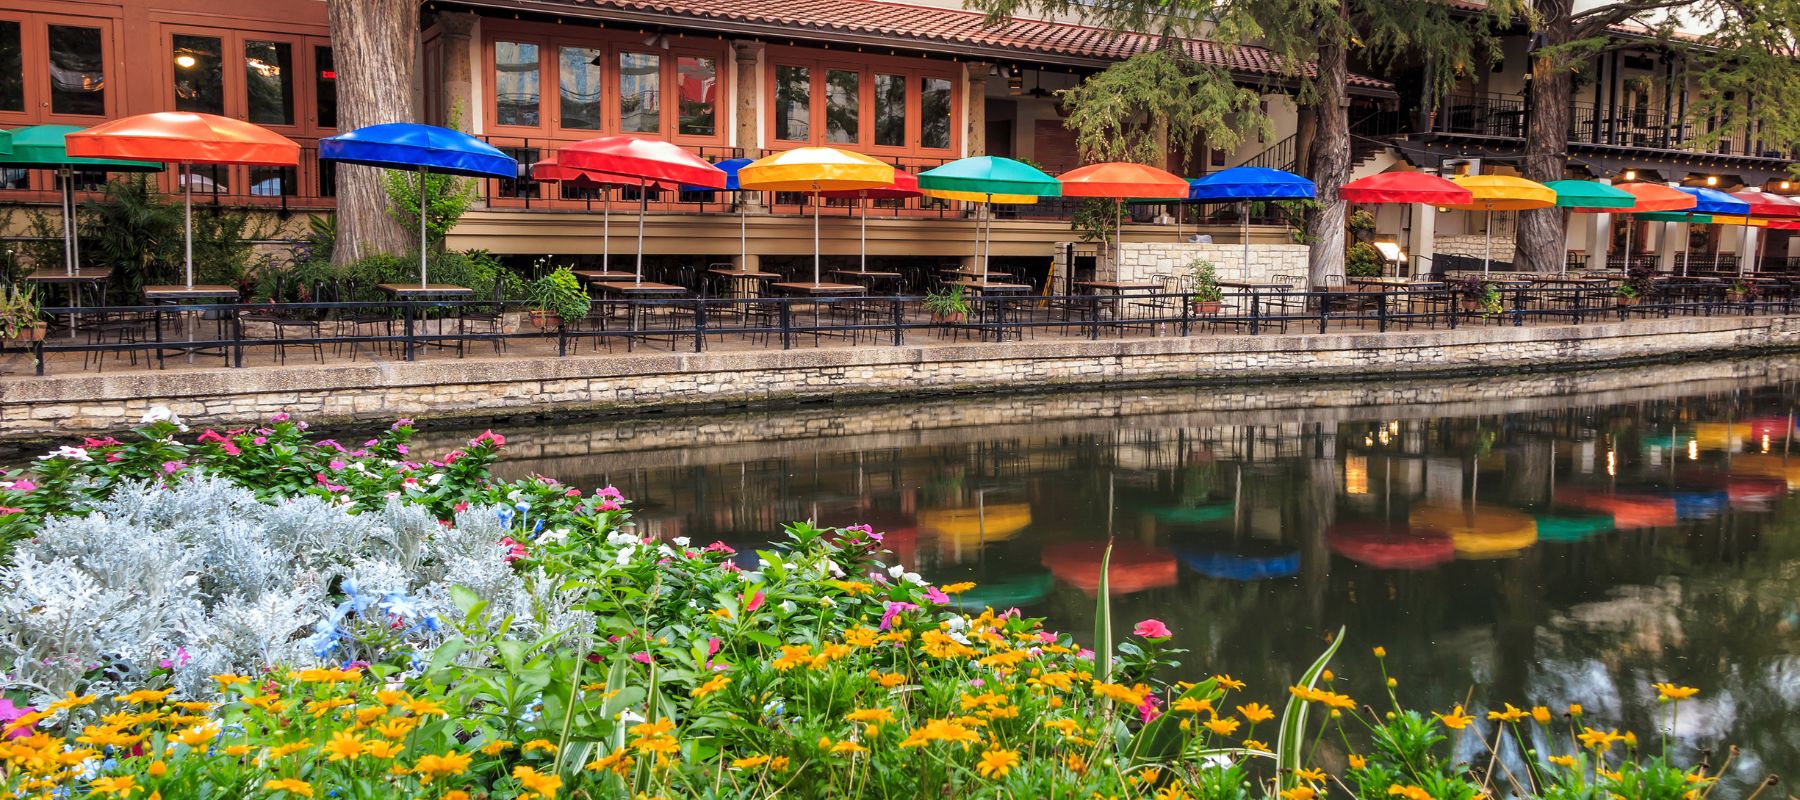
1207,294
947,306
1361,224
1635,287
558,297
21,319
1626,295
1363,260
1477,295
1740,292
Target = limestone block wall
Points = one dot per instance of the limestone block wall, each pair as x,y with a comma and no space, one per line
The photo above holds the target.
55,406
1152,261
1475,245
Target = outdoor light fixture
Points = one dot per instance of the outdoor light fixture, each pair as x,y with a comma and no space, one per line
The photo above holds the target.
185,61
1712,180
1784,186
1631,174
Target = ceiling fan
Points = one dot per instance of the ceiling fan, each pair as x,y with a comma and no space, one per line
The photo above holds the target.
1037,86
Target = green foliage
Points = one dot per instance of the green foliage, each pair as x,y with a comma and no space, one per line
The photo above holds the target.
448,197
1096,219
1206,281
19,310
1117,113
560,291
134,231
317,278
947,303
1361,222
1363,261
43,247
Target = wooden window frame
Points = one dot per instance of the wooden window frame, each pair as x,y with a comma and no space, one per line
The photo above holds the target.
34,57
818,61
490,84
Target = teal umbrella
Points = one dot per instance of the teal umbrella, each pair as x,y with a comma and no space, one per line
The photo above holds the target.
1590,196
990,176
41,147
1572,527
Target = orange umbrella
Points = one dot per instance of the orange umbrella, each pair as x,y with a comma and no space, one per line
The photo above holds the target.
1653,197
185,138
1122,180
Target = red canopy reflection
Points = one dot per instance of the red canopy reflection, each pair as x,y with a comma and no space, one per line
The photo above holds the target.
1135,566
1390,546
1629,510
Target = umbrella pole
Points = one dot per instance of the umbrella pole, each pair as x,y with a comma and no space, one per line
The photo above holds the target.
1246,221
1487,259
1118,238
1628,227
643,207
187,218
1687,246
981,249
743,233
605,231
422,283
71,236
862,206
816,256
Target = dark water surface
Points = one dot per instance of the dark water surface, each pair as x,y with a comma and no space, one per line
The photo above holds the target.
1634,528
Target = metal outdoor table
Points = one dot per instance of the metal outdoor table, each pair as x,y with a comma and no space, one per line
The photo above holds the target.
77,282
744,282
964,272
597,275
175,295
1006,292
640,289
872,276
430,291
819,289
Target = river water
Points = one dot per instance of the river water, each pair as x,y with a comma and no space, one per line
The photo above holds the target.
1539,540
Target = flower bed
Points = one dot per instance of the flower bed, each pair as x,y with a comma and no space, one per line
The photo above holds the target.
259,613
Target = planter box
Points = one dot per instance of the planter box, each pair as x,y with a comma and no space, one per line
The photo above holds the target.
31,333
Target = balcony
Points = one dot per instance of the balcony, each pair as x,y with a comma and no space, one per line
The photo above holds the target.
1503,117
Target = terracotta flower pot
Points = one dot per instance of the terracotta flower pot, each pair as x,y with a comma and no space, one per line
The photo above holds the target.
541,318
32,333
955,318
1626,302
1206,306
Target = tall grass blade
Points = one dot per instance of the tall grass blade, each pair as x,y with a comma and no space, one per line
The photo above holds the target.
1103,643
1293,720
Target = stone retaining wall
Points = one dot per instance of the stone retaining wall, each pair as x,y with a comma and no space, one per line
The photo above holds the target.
1153,261
474,388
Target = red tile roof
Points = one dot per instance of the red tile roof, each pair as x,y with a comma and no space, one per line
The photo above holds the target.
893,23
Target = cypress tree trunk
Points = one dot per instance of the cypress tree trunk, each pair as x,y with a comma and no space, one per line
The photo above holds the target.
1329,164
1542,235
373,42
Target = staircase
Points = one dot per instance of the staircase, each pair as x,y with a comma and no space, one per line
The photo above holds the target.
1283,156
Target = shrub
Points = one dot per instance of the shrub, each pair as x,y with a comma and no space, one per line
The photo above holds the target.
1363,261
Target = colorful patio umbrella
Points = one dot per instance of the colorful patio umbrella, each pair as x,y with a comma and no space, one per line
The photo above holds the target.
1590,197
983,227
1391,188
730,167
1121,180
1712,203
1766,204
906,187
547,170
1391,546
1014,591
1244,184
648,161
423,149
815,170
1491,193
989,180
990,522
1572,527
185,138
42,146
1629,511
1134,566
1652,197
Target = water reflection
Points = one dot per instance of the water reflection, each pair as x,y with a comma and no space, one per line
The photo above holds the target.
1531,550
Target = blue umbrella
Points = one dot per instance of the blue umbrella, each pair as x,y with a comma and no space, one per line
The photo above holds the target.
730,167
1240,567
426,148
1244,184
1710,201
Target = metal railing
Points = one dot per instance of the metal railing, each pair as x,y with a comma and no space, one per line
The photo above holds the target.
406,329
1505,116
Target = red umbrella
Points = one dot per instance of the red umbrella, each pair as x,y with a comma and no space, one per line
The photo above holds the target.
1764,204
1657,197
185,138
906,187
648,161
1391,546
1405,187
549,171
1134,568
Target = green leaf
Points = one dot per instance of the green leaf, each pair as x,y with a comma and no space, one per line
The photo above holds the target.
1293,719
1158,741
1103,621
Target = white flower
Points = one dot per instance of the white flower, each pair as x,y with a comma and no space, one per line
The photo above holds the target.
834,569
957,623
681,541
159,414
896,571
71,453
788,606
913,577
435,479
664,550
620,539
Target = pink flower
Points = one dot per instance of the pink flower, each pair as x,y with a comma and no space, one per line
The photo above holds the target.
461,506
280,417
260,440
1147,710
641,656
572,493
730,567
114,456
209,435
1152,629
400,423
487,437
610,492
937,597
172,467
720,547
329,486
24,485
10,712
1084,654
337,466
402,449
893,612
515,551
755,602
4,510
608,504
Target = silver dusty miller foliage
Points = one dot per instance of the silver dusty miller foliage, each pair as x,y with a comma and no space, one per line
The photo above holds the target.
202,578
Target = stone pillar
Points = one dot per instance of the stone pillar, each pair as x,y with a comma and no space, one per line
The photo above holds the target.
1747,258
1672,233
975,99
457,46
747,110
1423,244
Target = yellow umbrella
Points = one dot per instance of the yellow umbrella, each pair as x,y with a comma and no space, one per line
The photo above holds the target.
814,170
981,197
1493,193
1479,531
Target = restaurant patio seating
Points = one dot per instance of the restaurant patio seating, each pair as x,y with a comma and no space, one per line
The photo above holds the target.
115,327
282,329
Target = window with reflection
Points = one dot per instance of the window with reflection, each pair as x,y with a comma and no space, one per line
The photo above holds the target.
199,74
698,84
890,110
77,71
640,97
325,88
793,103
12,66
272,181
934,113
579,87
517,84
269,82
842,99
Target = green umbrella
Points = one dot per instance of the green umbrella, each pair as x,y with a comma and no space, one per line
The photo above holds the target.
1572,527
41,147
1010,592
1675,216
1590,196
989,176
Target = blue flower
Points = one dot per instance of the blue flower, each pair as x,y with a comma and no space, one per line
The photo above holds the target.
505,515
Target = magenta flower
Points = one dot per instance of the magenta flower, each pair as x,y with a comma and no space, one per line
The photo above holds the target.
488,437
172,467
4,510
641,656
1147,710
936,596
755,602
23,486
893,612
9,713
1152,629
279,417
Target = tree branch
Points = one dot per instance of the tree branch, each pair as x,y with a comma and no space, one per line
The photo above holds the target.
1615,13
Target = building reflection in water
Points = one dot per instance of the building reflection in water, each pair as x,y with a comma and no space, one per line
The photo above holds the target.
1540,556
